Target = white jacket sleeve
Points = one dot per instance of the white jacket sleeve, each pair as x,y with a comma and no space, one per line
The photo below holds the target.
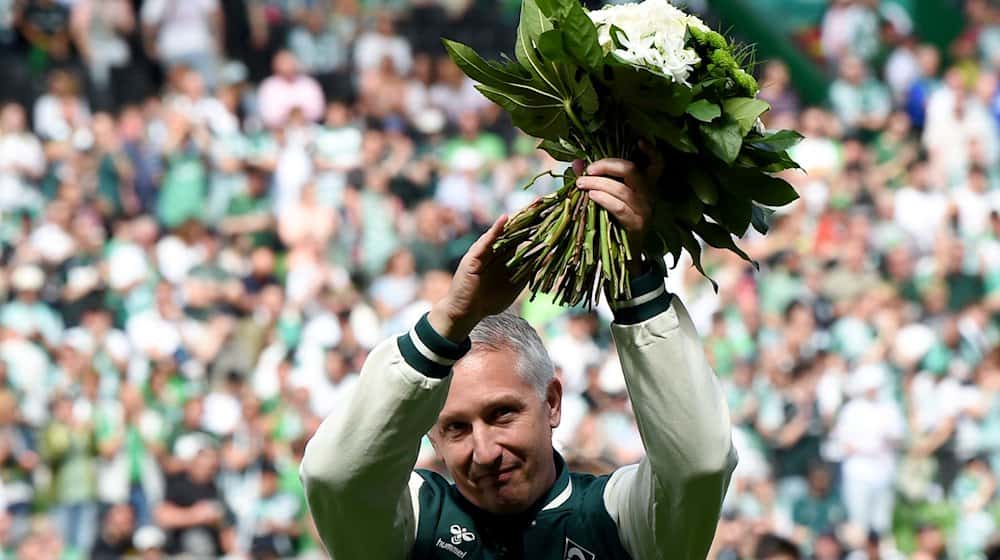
668,505
357,468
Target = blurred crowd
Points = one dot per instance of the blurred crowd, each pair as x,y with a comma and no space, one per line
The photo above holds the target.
211,210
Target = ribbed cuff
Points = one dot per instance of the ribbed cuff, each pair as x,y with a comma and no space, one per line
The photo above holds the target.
426,351
649,299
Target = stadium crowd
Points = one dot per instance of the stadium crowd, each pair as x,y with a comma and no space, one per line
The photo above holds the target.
210,210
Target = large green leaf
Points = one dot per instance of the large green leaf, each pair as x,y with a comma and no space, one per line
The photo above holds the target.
661,127
687,207
766,160
555,8
759,186
717,236
536,115
532,24
586,96
733,212
723,139
703,185
745,111
777,141
581,37
550,44
704,110
510,78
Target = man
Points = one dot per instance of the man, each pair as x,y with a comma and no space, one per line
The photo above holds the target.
482,385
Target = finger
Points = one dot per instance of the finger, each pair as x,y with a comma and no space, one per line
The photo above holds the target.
579,166
484,245
627,217
616,167
613,187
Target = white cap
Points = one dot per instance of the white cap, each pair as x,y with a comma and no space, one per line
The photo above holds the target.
27,278
148,537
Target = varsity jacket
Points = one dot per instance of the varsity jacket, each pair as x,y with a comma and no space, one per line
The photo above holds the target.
368,503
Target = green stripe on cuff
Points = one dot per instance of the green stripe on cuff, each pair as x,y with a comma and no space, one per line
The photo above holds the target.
439,344
418,361
645,311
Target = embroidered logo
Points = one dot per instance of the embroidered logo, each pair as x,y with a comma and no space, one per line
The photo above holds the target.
577,552
461,534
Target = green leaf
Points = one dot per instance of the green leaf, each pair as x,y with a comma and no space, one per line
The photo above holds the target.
761,218
776,142
581,37
694,249
536,115
765,160
561,151
586,96
717,236
509,78
733,212
661,127
554,8
759,186
703,185
723,139
689,209
704,110
745,111
550,44
532,24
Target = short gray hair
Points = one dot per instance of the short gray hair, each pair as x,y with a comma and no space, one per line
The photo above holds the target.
508,331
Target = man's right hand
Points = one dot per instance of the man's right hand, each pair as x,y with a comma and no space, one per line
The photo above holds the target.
481,287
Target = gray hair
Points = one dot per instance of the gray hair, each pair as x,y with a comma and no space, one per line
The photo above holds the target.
508,331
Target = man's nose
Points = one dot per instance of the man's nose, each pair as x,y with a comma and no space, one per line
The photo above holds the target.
485,449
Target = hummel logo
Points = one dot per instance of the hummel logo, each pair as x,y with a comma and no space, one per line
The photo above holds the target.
459,534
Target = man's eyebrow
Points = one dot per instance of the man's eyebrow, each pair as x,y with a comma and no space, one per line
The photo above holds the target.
506,399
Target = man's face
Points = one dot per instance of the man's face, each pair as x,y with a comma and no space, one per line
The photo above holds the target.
495,433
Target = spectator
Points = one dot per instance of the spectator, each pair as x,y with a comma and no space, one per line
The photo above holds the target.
196,519
861,102
287,90
45,24
115,538
868,430
185,32
101,31
375,45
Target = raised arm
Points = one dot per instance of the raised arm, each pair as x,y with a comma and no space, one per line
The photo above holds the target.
357,468
669,503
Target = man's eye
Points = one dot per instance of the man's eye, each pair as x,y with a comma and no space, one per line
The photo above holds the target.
504,414
454,429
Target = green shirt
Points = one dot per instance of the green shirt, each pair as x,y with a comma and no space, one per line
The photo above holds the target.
569,522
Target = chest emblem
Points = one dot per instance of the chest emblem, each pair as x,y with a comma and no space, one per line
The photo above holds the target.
460,534
577,552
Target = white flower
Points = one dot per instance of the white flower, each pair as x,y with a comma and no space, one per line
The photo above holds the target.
652,36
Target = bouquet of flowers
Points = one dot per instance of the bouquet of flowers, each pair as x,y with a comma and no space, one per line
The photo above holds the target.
590,85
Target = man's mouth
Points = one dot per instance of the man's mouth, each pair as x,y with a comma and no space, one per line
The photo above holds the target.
501,476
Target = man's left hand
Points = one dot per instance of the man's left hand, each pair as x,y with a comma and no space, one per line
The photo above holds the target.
630,199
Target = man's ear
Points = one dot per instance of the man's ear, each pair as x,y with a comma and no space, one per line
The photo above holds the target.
553,398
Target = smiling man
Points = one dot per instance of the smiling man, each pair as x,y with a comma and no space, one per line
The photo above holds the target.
479,381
